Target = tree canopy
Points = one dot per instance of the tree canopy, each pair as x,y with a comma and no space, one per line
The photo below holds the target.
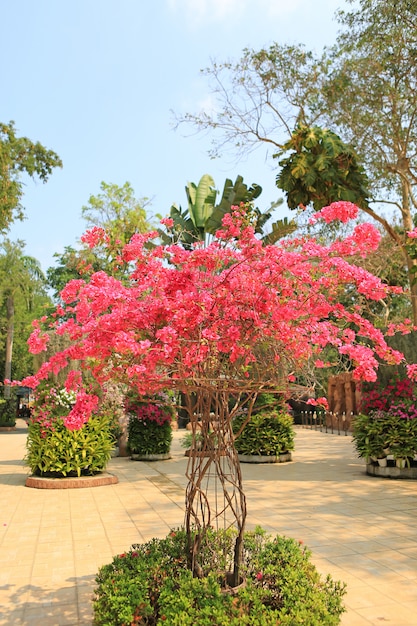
203,216
23,298
219,323
363,89
18,156
117,211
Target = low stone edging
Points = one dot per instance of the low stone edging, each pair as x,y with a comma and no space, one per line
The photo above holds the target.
391,471
71,482
151,457
249,458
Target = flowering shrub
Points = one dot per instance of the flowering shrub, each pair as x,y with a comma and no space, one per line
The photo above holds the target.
151,584
150,412
404,408
149,427
53,448
387,424
186,311
382,397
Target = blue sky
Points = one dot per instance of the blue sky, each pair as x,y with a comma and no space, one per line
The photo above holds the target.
97,81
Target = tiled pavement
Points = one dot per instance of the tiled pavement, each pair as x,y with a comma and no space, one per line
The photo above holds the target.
360,529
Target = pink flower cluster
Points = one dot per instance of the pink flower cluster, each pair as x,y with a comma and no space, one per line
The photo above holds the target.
149,412
381,398
38,341
342,211
95,236
85,405
194,317
320,402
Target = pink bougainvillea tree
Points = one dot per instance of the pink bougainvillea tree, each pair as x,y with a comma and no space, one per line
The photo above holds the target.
220,324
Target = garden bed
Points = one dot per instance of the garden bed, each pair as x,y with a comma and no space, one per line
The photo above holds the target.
71,482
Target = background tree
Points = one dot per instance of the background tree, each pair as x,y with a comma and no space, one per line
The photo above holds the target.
18,156
203,215
117,211
320,169
260,99
23,298
371,95
363,88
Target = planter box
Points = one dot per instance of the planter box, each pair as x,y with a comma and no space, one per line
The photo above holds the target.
254,458
75,482
391,471
150,457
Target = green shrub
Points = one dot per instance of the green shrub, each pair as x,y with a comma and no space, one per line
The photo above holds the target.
149,428
152,585
381,433
7,412
55,451
268,433
268,401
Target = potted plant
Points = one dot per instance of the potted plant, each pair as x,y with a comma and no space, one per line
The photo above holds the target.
391,435
369,435
54,448
7,414
149,427
268,437
191,440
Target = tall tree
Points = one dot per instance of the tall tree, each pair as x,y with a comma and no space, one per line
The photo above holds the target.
23,293
115,210
363,89
18,156
118,211
371,95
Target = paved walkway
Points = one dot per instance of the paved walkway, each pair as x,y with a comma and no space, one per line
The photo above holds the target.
361,529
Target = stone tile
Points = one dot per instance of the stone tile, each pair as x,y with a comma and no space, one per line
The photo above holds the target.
361,530
394,613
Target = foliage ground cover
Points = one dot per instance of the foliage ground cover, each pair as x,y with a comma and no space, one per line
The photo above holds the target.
151,584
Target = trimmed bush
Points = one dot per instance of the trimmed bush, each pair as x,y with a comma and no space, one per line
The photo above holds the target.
381,433
152,585
268,433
